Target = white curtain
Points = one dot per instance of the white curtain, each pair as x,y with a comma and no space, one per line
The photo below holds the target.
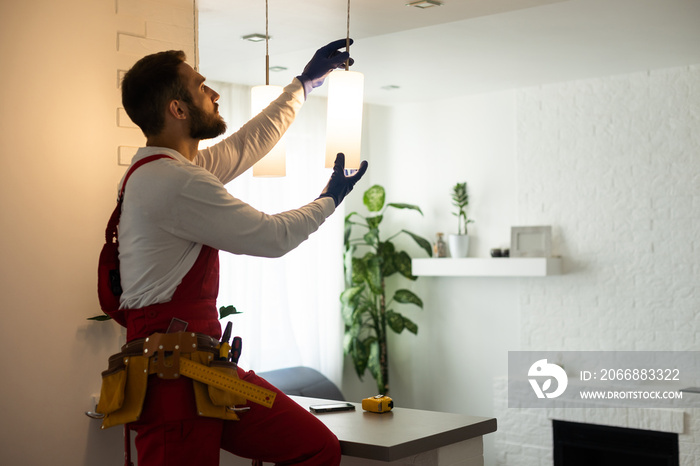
290,305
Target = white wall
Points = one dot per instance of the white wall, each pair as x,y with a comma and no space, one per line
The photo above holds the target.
418,152
57,189
613,165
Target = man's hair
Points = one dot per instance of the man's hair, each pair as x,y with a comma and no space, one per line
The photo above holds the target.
150,85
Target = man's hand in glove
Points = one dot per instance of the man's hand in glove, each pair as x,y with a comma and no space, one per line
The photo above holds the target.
325,60
340,185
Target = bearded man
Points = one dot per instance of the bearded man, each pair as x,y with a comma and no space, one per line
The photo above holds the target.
176,215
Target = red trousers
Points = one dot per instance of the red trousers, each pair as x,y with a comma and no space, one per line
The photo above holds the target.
171,433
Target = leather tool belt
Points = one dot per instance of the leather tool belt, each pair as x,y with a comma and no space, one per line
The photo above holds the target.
217,387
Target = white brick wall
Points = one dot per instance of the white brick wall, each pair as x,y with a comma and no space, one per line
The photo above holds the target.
614,165
144,27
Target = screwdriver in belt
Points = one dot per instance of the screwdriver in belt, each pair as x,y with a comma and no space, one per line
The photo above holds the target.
224,346
236,348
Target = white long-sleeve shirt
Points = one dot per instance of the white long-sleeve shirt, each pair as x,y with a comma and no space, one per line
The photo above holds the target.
173,206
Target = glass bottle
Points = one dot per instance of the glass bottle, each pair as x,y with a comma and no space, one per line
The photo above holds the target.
440,248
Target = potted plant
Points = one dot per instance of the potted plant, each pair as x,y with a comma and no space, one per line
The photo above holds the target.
459,243
367,310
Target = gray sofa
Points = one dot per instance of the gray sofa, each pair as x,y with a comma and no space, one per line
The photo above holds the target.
303,381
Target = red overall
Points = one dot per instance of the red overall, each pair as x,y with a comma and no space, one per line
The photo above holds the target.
171,433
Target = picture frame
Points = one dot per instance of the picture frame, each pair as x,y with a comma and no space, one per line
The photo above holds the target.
531,241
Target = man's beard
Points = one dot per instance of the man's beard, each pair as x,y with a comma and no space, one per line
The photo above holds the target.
205,126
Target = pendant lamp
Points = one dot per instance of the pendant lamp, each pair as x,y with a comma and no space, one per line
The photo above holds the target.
344,123
274,164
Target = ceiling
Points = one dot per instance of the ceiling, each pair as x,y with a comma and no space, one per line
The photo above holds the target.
462,47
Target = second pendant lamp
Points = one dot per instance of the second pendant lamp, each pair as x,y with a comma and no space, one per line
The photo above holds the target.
344,120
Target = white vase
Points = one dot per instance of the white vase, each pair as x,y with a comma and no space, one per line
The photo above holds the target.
459,245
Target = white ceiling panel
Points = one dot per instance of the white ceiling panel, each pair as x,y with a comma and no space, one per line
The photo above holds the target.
463,47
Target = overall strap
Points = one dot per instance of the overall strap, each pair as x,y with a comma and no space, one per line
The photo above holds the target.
144,160
111,231
109,287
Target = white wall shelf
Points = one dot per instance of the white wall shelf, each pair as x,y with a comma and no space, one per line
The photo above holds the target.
488,267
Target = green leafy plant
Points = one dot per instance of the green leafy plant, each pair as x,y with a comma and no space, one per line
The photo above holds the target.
460,199
225,311
368,261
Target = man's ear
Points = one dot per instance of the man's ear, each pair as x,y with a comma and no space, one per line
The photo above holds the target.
177,109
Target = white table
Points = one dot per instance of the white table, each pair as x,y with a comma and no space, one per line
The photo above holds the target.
404,436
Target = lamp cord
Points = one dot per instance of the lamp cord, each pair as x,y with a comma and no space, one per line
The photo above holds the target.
347,40
267,49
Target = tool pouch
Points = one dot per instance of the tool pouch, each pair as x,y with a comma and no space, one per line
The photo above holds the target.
123,390
124,382
211,406
113,384
222,397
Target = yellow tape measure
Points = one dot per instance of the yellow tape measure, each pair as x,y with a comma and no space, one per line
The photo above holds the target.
209,376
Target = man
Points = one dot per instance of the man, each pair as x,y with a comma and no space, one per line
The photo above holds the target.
176,215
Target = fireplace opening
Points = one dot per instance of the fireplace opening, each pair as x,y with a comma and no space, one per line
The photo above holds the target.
577,444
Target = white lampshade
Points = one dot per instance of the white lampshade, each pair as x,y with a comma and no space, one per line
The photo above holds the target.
274,163
344,125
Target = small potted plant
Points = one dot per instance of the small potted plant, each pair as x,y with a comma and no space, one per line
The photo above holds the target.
459,243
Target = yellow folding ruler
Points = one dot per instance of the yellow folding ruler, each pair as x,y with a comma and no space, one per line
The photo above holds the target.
210,376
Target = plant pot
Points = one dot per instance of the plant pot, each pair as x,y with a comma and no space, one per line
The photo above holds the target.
459,245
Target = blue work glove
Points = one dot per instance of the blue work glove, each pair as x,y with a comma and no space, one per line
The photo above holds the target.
325,60
340,185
